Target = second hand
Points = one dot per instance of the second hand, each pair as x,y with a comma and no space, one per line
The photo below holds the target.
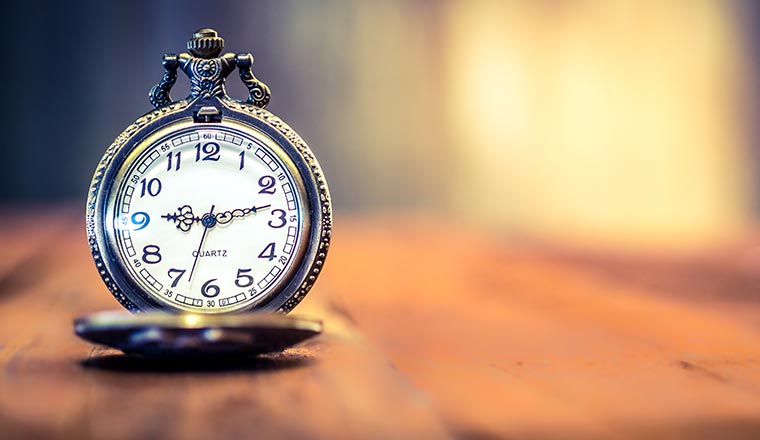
203,238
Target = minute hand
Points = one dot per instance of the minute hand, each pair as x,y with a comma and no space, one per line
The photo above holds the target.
227,216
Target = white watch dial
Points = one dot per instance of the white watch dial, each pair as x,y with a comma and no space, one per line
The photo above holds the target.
207,218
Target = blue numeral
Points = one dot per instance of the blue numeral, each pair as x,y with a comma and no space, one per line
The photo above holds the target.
140,219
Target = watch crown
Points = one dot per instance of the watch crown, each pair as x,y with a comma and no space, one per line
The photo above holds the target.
206,43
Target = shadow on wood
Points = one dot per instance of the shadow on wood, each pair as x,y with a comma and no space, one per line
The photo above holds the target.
137,364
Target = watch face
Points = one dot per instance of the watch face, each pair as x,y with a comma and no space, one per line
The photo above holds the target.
207,217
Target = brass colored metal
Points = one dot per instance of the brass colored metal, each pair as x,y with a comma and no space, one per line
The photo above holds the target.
207,71
161,334
209,105
162,328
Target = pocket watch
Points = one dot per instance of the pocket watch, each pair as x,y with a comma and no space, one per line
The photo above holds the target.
209,204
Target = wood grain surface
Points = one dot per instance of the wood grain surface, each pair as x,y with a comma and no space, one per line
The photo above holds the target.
432,330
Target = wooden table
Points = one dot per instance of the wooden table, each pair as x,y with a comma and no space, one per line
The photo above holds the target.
431,331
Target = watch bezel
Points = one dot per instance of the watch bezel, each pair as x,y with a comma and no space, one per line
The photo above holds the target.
317,202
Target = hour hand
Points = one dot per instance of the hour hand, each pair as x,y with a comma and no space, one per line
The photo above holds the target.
227,216
183,218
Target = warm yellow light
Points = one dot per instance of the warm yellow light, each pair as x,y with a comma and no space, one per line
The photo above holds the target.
605,122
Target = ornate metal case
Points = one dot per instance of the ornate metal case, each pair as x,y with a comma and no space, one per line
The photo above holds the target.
208,104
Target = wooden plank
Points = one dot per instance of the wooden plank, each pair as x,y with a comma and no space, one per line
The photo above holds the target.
55,386
507,342
432,330
25,231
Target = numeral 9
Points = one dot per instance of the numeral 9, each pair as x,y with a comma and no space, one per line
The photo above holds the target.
140,219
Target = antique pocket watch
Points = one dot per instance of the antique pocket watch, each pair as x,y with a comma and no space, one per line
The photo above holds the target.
208,205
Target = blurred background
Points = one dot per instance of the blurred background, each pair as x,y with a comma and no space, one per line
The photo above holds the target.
620,124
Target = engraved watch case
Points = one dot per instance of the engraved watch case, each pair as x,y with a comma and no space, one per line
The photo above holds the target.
208,105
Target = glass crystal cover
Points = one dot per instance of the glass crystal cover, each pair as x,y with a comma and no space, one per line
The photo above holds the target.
207,218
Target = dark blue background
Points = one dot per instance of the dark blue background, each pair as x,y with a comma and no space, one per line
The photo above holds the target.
77,73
